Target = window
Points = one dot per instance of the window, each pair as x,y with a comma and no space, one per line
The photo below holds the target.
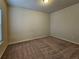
1,39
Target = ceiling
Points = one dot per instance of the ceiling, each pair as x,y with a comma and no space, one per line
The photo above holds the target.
51,6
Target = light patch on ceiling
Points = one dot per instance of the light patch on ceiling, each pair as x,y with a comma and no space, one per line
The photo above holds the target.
45,1
41,5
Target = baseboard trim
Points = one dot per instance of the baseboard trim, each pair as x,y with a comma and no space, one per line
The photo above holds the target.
42,37
3,51
65,39
28,39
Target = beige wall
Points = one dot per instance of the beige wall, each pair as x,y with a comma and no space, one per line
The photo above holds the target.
26,24
5,10
65,23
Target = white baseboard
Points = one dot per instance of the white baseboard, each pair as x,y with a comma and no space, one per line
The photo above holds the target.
3,52
42,37
10,43
65,39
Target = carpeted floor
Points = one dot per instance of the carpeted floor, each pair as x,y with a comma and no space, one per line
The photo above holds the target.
42,48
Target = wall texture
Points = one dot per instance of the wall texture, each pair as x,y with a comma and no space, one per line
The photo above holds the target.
26,24
65,23
4,7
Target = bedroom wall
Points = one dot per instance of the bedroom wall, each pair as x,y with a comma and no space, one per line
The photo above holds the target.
27,24
65,23
4,7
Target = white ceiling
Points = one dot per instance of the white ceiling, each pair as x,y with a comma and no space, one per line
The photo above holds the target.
37,5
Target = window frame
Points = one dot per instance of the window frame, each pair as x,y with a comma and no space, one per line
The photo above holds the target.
1,41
